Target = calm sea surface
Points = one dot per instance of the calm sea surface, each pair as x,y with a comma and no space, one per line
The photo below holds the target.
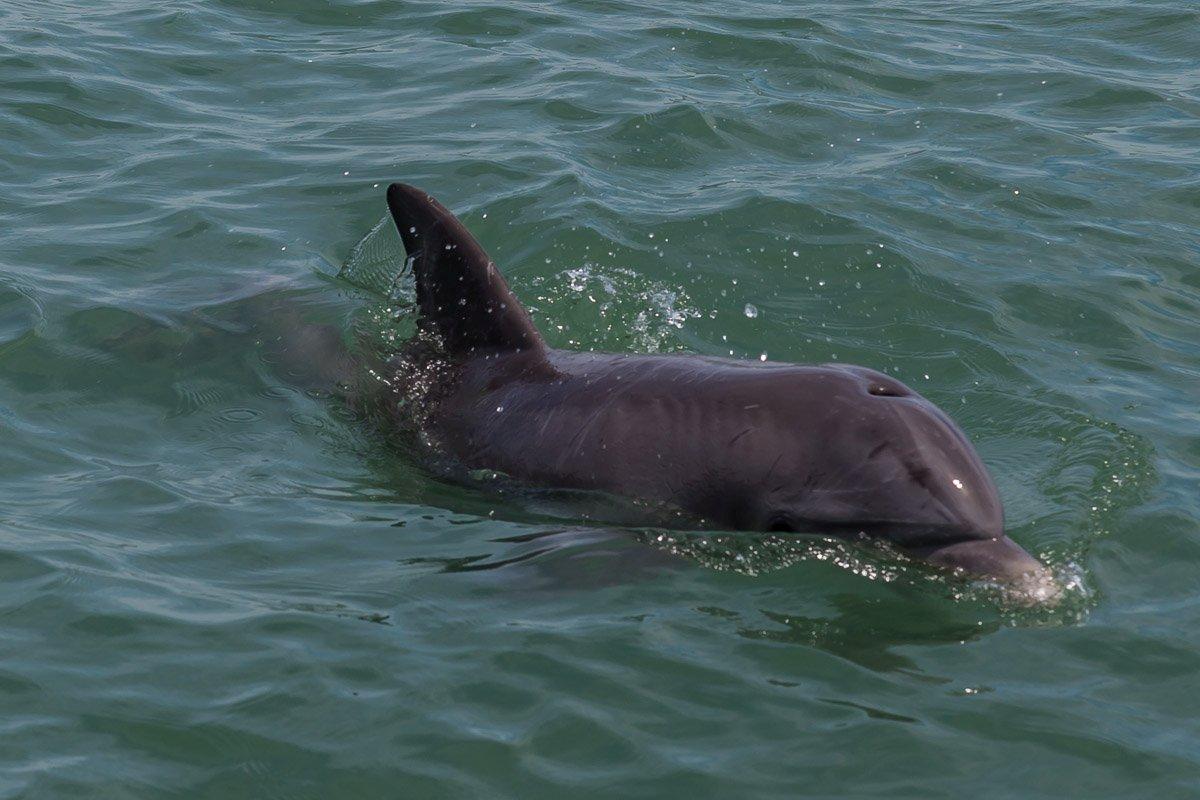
215,583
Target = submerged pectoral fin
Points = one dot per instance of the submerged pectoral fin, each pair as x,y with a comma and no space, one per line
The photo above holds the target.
461,296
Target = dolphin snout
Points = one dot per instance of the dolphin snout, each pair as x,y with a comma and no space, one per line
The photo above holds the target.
1000,557
1026,580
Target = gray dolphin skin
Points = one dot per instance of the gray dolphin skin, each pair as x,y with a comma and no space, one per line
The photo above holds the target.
755,446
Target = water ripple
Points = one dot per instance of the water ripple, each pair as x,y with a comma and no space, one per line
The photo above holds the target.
218,582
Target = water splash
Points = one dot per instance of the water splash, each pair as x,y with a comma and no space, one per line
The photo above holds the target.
611,308
758,554
374,262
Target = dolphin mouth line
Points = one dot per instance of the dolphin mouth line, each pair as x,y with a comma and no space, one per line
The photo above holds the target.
917,538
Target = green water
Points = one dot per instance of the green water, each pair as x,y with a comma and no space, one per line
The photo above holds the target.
215,583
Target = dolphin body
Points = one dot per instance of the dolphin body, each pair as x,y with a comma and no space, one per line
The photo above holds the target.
754,446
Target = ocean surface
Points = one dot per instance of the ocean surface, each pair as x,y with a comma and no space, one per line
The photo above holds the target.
216,582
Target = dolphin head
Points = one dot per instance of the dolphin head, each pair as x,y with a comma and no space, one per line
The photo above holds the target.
892,465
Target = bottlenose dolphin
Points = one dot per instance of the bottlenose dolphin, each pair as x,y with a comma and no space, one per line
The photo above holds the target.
756,446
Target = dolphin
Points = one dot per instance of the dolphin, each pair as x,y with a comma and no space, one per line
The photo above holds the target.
744,445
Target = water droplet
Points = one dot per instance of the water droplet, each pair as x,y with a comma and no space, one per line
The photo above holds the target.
751,311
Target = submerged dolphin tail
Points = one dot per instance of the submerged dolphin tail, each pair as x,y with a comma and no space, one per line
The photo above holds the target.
461,296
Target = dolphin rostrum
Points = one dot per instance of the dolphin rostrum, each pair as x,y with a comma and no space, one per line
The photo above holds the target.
756,446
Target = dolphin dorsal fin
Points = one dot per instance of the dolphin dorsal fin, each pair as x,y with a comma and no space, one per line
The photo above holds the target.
461,296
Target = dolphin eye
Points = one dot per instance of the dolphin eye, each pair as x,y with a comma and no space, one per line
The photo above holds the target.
780,525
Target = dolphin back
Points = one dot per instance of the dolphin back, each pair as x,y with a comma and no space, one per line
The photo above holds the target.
461,296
